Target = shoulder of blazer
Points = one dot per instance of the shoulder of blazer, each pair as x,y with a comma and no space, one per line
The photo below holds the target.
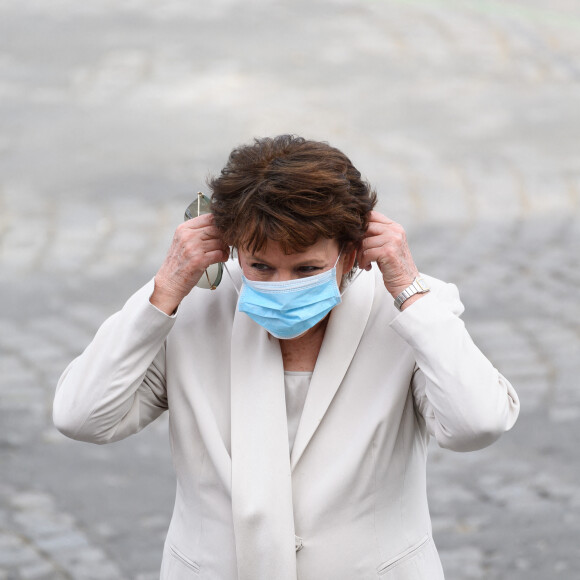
446,293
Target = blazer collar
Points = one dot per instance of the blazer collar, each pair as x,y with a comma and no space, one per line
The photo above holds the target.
345,328
261,478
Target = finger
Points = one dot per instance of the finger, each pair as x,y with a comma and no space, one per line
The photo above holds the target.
390,240
377,228
210,232
200,258
193,236
373,254
363,263
395,241
363,260
381,248
375,216
200,221
217,256
209,245
374,242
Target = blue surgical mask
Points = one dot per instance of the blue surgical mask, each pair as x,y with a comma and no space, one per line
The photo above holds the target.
290,308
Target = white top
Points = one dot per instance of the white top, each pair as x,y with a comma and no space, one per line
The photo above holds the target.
296,385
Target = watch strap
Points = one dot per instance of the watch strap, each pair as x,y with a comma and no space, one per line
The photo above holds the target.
419,286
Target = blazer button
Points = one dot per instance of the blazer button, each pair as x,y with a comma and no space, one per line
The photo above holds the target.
299,543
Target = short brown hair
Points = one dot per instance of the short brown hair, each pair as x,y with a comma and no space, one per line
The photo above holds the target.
292,191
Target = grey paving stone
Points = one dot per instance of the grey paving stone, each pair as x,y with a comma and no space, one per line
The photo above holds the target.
36,571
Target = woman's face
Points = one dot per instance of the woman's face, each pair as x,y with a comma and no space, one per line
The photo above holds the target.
271,264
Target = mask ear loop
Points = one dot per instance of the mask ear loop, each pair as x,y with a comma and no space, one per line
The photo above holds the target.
229,274
351,282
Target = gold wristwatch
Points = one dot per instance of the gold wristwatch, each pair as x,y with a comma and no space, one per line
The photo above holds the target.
419,286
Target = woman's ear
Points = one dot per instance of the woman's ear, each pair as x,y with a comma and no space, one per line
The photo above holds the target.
348,259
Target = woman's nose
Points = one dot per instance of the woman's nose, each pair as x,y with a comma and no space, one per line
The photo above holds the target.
283,276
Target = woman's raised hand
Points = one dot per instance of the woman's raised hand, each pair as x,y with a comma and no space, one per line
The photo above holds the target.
385,243
196,245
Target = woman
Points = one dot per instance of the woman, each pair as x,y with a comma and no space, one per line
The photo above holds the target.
300,411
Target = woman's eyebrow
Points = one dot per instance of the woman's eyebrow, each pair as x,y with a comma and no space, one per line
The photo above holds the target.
252,258
312,262
317,261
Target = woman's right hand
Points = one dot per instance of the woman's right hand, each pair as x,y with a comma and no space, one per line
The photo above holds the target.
196,245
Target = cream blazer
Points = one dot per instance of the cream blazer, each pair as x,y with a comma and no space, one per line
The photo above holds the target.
350,502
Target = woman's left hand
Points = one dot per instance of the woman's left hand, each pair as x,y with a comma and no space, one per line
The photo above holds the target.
385,243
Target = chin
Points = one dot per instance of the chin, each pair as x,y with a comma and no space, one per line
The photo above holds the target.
294,337
301,334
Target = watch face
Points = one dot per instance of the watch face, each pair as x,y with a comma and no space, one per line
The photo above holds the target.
423,284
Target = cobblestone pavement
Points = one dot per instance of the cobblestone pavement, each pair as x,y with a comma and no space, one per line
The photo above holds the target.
464,114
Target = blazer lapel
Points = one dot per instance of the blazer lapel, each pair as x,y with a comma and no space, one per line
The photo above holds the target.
343,333
261,478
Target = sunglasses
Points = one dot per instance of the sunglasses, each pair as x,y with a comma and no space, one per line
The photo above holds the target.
213,274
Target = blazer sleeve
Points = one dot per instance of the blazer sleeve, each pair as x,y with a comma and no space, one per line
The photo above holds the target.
465,402
117,385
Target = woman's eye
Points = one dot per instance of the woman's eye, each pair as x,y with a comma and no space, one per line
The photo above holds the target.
260,267
309,269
